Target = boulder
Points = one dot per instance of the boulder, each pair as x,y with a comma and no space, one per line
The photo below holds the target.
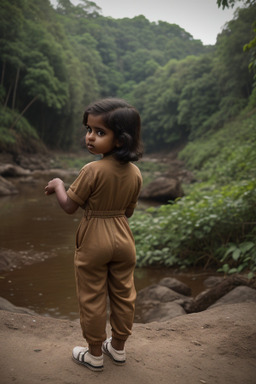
11,170
5,305
162,312
241,294
211,295
160,303
10,260
162,189
158,293
7,188
33,161
175,285
212,281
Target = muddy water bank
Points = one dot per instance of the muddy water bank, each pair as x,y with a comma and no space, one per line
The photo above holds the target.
48,287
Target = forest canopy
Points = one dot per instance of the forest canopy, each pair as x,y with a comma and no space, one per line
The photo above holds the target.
54,61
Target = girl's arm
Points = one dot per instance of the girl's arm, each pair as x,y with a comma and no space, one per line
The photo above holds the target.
129,212
57,186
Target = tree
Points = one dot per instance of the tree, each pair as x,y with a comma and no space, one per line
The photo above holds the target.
198,101
230,3
251,46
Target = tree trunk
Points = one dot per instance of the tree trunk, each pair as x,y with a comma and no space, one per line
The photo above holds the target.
22,113
209,297
3,73
15,88
8,95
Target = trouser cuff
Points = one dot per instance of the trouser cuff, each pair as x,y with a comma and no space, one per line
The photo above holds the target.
119,337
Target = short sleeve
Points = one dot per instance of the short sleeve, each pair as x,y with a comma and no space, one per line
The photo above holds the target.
80,190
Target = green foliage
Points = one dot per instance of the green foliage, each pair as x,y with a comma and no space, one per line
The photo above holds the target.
196,229
251,47
186,98
55,61
230,3
215,224
23,135
227,155
239,257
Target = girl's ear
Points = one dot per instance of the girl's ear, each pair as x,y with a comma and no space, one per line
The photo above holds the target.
119,143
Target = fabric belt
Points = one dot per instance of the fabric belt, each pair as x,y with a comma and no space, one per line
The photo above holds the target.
103,214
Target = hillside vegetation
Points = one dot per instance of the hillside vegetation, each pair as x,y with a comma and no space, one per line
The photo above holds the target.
214,225
55,61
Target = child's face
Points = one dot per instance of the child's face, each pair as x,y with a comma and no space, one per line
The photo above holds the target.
99,139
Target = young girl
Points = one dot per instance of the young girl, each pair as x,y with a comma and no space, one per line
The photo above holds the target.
105,257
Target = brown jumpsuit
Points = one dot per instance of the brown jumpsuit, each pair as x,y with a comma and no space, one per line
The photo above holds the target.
105,255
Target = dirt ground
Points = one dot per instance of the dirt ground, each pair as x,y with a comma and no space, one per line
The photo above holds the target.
214,346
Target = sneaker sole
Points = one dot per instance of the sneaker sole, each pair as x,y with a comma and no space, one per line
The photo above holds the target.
87,365
117,362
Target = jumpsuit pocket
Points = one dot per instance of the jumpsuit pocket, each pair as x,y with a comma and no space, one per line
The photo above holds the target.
128,229
80,233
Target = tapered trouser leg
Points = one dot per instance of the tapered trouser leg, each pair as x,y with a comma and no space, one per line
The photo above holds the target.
94,250
122,297
121,289
105,265
116,279
92,298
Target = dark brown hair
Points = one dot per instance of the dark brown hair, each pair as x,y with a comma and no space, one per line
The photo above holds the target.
124,120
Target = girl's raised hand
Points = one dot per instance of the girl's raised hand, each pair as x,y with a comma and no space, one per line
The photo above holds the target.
52,185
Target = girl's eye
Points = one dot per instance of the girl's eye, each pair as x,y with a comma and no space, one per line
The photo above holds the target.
88,129
100,133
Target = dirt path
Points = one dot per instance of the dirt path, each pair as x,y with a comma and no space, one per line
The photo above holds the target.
214,346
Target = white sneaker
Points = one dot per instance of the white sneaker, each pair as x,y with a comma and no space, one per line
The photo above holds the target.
118,357
82,356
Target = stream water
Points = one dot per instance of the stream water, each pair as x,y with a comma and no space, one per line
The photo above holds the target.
33,223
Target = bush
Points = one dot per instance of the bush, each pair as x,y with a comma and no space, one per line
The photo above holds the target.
197,229
22,138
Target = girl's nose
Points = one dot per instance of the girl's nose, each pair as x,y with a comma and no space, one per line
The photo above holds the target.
91,135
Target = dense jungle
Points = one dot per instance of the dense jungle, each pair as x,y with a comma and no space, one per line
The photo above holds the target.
197,100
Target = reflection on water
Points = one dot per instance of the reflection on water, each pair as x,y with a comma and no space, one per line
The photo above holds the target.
33,221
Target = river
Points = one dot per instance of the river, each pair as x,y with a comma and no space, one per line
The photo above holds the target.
33,223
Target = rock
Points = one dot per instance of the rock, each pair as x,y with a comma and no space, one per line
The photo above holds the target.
169,291
7,259
5,305
162,189
209,297
159,293
62,173
240,294
158,302
7,188
175,285
11,170
33,162
162,312
212,281
10,260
